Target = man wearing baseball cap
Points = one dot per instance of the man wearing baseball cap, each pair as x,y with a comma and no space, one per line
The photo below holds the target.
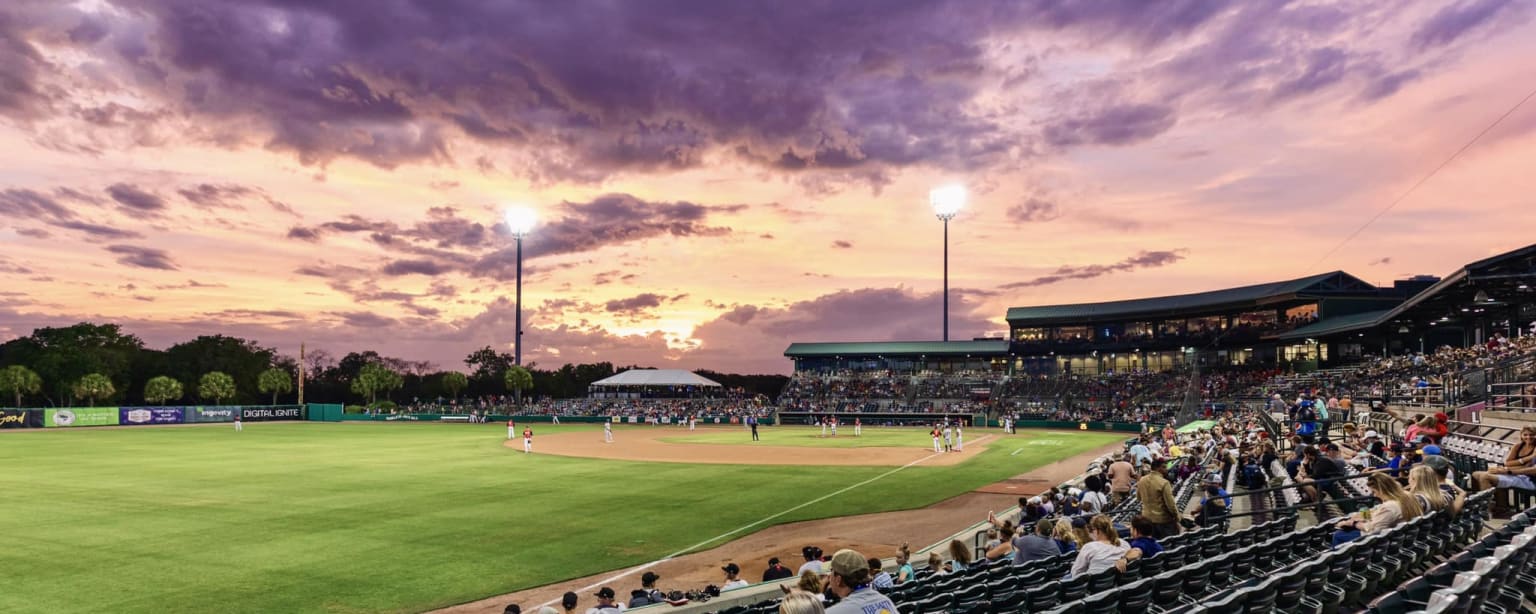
850,581
732,577
605,603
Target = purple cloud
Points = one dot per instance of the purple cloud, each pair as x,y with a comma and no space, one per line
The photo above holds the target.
414,267
1034,209
304,234
1115,125
634,304
135,199
1142,260
23,204
142,257
1456,20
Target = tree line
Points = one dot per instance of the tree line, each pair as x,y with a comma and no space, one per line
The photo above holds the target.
99,363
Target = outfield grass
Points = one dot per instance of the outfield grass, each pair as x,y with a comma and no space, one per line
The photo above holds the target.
299,517
810,437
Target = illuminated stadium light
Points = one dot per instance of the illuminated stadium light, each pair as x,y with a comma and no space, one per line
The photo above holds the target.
520,220
947,201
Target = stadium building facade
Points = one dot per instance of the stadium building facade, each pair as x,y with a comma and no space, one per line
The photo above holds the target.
1320,320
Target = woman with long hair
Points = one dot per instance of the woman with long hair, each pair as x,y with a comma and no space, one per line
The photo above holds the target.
1103,551
1396,506
1424,485
959,555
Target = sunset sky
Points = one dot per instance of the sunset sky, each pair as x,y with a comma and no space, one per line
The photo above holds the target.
717,179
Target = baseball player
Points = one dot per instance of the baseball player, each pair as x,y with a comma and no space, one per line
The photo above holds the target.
239,426
511,428
823,421
693,422
858,426
949,440
527,439
959,438
608,432
834,426
935,433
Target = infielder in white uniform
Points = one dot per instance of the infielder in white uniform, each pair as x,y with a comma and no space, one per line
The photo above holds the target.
823,426
608,432
834,426
959,439
858,426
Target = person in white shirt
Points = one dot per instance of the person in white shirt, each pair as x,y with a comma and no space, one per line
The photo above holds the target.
732,577
605,603
1102,551
812,556
1095,499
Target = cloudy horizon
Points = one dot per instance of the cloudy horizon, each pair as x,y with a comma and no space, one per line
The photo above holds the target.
715,181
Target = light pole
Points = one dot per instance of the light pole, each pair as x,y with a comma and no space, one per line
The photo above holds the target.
946,202
520,221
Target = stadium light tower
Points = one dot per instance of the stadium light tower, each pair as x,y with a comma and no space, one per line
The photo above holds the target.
520,221
946,202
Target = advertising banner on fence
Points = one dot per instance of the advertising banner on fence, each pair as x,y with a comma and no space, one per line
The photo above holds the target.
80,416
21,418
259,413
210,414
151,415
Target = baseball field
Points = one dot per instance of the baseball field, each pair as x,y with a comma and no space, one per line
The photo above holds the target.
375,517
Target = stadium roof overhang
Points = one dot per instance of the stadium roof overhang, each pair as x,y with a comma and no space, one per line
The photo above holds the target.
656,377
987,347
1492,288
1336,283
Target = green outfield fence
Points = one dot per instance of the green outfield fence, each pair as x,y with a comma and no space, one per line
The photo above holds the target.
79,417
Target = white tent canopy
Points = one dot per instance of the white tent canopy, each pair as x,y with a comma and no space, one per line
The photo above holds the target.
657,377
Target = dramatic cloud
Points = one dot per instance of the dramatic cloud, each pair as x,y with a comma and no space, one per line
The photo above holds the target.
24,204
1142,260
1457,19
304,234
135,199
142,257
633,304
363,319
1117,125
608,220
210,196
1034,209
414,267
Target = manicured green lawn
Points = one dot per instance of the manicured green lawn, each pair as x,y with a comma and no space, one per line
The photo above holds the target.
807,436
300,517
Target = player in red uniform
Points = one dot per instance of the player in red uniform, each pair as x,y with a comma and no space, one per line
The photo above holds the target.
527,439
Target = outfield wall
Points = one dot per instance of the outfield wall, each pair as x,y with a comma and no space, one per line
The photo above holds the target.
75,417
328,414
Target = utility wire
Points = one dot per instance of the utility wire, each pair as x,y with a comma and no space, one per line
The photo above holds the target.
1422,180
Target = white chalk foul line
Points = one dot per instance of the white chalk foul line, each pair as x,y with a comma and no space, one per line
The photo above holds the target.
1016,451
634,570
